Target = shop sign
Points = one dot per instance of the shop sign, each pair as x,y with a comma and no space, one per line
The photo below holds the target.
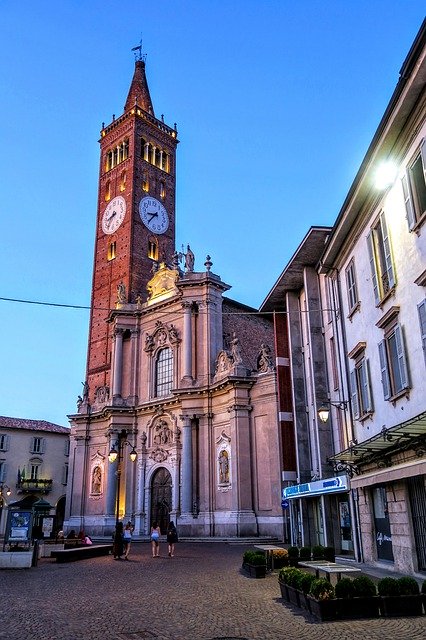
338,484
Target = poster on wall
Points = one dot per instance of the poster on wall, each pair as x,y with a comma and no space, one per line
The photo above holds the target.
47,526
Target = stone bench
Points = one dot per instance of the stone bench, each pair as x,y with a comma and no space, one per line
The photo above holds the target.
80,553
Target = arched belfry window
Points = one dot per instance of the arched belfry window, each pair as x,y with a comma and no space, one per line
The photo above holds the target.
164,372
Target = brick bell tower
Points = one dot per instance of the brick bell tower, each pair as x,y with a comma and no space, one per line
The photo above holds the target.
136,215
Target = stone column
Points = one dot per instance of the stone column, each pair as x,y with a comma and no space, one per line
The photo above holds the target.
145,151
111,487
186,461
118,363
187,340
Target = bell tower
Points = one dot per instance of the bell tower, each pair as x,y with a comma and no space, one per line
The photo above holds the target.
136,215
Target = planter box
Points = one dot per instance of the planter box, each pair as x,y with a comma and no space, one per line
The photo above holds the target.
16,559
293,596
255,571
284,591
352,608
323,609
401,606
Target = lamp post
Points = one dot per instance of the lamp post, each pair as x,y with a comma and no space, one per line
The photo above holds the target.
116,454
324,410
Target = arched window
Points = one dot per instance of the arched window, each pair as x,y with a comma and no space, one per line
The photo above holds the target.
123,178
153,249
108,191
164,372
162,190
145,181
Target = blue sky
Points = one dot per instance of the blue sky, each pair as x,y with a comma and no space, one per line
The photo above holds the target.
275,103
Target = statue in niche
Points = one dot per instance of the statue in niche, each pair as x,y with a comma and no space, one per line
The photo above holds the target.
235,349
223,467
102,394
96,480
264,359
163,433
121,293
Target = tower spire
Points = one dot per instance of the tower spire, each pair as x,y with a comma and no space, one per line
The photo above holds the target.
139,92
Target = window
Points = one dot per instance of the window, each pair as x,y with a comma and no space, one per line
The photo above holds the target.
123,179
112,247
379,252
164,372
422,319
155,155
65,474
4,442
351,287
108,191
37,445
414,187
117,155
162,190
2,470
334,364
67,447
362,403
393,362
145,182
34,471
152,249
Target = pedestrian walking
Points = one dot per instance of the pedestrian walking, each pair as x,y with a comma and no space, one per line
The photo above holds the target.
172,538
155,540
118,546
127,538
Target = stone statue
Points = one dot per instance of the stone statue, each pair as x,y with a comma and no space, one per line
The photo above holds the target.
264,359
85,391
235,349
96,480
121,293
189,259
223,467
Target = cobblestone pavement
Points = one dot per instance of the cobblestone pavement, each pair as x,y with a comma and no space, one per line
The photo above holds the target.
200,594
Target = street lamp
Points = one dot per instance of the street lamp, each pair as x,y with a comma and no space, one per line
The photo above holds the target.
116,455
324,410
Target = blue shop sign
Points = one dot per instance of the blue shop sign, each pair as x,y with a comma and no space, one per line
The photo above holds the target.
337,484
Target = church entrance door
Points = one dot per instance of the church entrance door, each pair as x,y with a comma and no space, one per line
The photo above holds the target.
161,498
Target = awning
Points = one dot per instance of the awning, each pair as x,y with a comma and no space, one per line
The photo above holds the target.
381,476
410,434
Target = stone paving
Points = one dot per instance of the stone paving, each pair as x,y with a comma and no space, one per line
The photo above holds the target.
200,594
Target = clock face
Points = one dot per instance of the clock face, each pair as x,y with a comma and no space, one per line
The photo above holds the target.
113,215
153,215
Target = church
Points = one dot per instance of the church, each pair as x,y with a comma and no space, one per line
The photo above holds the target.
178,418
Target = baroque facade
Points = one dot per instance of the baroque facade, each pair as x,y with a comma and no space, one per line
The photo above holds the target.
178,375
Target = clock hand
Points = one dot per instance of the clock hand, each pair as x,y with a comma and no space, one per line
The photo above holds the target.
152,215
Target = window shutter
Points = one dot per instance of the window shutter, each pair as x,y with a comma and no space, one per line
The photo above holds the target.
42,445
402,360
373,267
2,471
422,319
411,219
423,154
32,446
354,394
367,378
384,370
387,250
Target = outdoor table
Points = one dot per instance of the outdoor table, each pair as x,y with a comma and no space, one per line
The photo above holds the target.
329,568
269,551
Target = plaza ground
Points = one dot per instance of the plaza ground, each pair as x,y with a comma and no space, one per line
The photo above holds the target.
200,594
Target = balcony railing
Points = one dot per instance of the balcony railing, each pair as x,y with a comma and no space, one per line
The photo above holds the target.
26,485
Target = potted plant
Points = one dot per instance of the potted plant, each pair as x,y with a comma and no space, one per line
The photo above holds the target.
305,584
318,552
357,598
289,583
254,562
400,597
280,558
293,556
321,600
305,553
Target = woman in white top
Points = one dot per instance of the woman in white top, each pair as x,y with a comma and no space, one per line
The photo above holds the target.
127,538
155,540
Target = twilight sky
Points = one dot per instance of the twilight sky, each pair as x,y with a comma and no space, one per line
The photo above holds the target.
276,102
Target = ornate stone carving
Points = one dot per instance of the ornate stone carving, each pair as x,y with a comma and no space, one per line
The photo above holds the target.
163,435
158,455
223,362
264,359
102,395
121,294
163,282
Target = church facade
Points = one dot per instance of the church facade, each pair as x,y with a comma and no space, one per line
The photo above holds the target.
178,418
